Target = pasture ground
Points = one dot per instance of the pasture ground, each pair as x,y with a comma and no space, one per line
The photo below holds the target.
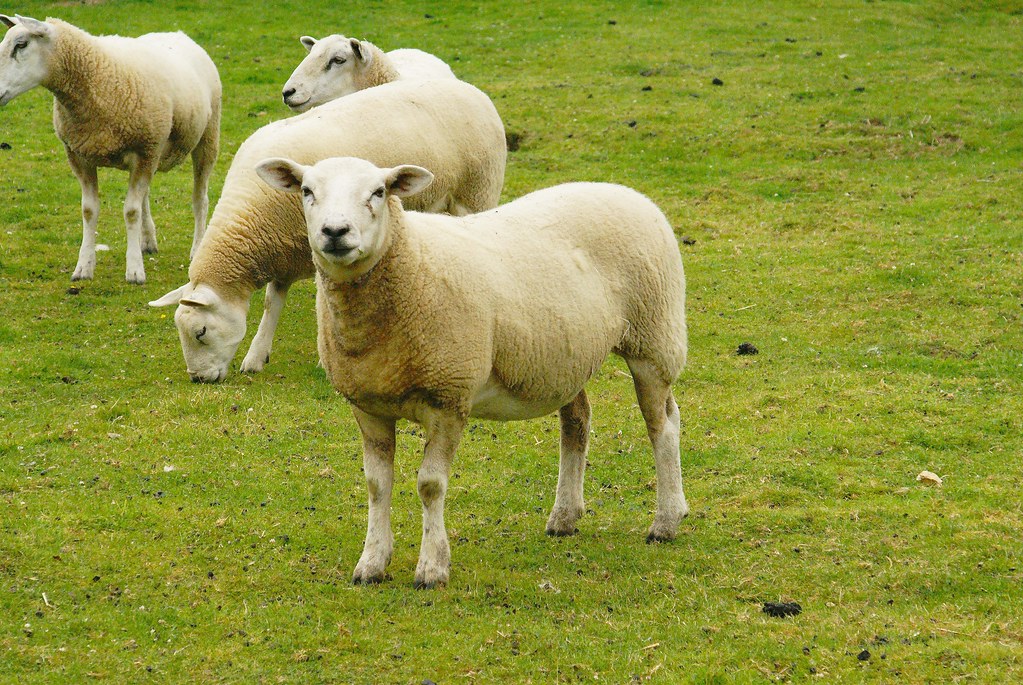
847,179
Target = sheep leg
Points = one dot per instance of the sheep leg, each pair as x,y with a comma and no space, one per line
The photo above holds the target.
378,464
443,433
204,156
660,412
575,438
259,350
148,228
89,181
140,177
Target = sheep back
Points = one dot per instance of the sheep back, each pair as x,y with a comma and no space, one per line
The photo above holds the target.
257,234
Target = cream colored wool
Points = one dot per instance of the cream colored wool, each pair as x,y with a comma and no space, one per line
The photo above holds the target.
501,315
337,66
257,235
139,104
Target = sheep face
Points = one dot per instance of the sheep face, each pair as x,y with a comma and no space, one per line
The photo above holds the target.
328,72
210,329
346,204
24,56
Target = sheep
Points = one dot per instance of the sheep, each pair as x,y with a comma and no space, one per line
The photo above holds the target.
137,104
501,315
337,66
257,236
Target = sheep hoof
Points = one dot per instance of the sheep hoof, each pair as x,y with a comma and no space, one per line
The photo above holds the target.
82,273
136,277
561,532
428,585
659,537
371,580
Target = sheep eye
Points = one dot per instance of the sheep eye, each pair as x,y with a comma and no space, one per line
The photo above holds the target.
336,61
379,192
200,334
307,193
18,46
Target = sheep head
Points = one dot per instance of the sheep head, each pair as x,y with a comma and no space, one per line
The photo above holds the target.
347,207
24,55
328,72
210,328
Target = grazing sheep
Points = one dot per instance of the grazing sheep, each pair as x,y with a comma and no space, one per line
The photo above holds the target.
257,236
502,315
138,104
337,66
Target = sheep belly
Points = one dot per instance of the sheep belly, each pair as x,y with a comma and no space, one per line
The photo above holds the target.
496,402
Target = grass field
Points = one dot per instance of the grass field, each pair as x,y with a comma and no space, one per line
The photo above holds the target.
850,195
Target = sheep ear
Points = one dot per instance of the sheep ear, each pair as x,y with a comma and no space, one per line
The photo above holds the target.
308,42
34,26
408,180
9,22
173,297
361,53
282,174
202,296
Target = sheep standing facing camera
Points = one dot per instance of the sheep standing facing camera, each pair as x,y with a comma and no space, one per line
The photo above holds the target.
138,104
337,66
257,236
501,315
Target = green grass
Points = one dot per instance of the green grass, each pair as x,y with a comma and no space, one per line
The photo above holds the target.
854,190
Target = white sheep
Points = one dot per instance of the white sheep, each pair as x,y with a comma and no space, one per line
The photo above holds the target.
257,236
138,104
501,315
337,66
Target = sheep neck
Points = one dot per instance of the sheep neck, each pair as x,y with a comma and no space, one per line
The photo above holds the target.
76,61
377,299
381,70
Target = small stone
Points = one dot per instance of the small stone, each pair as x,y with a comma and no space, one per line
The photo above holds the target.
864,655
928,478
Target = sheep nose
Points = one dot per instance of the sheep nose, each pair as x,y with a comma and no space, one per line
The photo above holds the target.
335,231
288,92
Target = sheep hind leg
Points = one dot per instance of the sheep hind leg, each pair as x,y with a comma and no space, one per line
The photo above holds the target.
575,438
660,412
89,181
259,350
204,156
148,228
443,433
378,464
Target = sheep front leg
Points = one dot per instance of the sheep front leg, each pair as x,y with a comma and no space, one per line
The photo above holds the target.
378,464
89,181
138,188
443,433
259,350
575,438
